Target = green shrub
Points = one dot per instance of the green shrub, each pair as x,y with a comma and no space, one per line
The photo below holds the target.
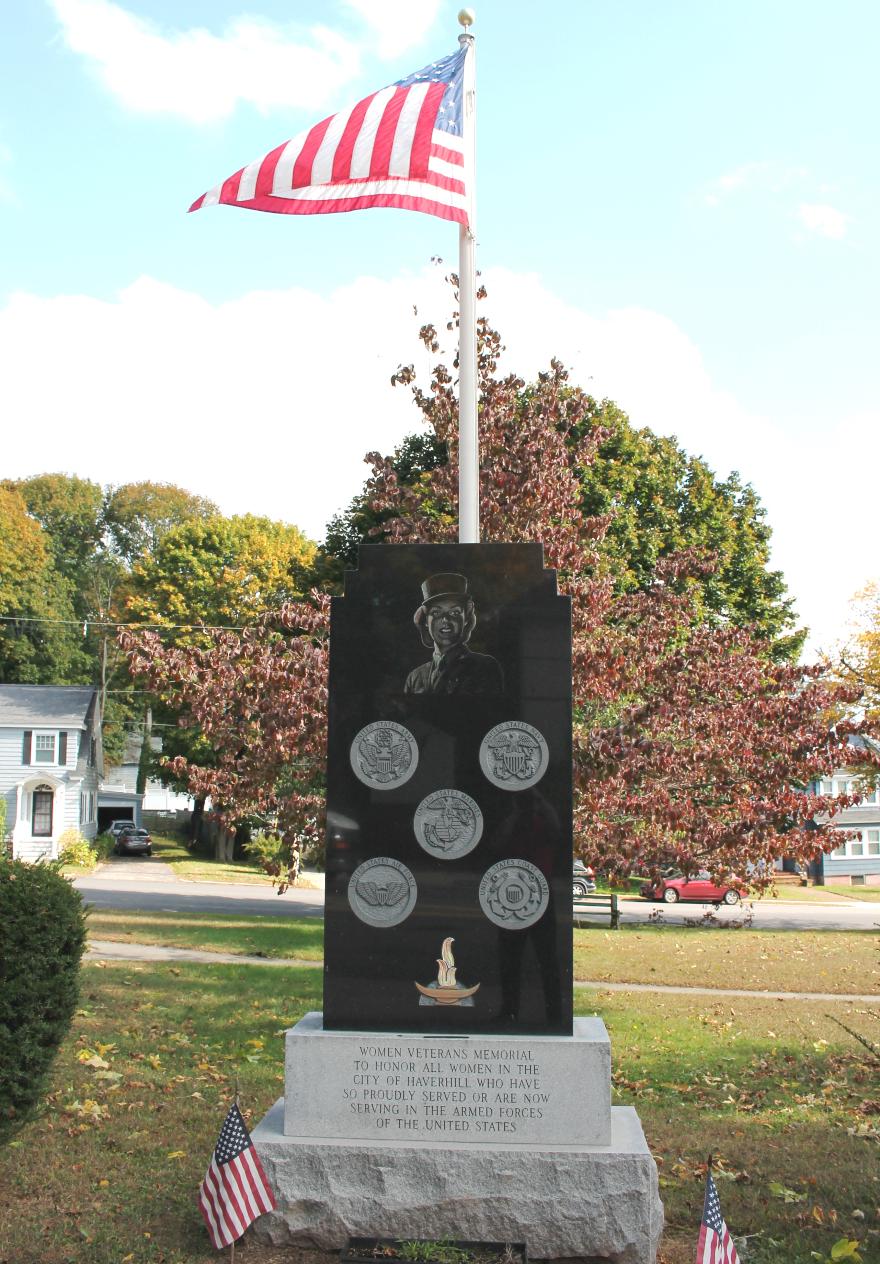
42,935
103,845
73,849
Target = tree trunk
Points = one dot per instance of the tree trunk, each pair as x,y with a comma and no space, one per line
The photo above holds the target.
145,760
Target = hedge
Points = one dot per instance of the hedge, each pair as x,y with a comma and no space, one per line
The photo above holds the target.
42,936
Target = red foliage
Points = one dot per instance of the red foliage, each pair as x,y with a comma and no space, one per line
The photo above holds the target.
689,740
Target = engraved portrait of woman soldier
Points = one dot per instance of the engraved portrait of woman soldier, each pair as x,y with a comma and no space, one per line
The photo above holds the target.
445,621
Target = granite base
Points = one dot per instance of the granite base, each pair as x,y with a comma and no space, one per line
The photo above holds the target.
590,1202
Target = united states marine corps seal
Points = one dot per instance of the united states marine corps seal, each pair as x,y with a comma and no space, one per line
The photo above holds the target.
448,824
514,755
384,755
514,894
382,892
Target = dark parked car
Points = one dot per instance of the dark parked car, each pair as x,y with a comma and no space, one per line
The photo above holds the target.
583,879
133,841
698,887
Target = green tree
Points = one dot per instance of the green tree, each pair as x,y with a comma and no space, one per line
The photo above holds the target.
41,640
220,571
70,511
654,499
137,515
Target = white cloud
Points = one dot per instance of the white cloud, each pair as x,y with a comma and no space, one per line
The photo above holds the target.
764,176
267,404
397,24
201,76
823,220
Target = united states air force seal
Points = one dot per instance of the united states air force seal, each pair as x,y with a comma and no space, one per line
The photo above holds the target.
384,755
382,891
514,894
514,755
448,824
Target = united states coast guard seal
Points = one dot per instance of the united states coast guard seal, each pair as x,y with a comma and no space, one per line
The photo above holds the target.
382,891
384,755
514,755
448,824
514,894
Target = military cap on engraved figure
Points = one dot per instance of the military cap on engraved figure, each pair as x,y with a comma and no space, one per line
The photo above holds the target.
445,620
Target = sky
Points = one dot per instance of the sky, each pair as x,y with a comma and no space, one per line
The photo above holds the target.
679,201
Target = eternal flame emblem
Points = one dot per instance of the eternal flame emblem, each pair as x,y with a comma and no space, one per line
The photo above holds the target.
384,755
382,892
448,824
514,894
445,990
445,620
514,755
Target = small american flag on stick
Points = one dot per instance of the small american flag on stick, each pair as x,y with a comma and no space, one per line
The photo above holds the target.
235,1190
402,146
715,1245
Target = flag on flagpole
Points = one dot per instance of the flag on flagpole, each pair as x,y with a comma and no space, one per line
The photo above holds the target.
715,1245
235,1190
402,146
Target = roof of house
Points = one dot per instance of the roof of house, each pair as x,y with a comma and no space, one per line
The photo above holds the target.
45,706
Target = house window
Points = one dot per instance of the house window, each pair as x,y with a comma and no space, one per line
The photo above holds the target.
86,807
44,748
44,799
866,845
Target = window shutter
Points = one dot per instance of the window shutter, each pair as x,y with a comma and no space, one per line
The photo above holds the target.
62,749
26,747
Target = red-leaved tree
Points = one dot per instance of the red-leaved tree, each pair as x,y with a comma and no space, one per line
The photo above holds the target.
692,747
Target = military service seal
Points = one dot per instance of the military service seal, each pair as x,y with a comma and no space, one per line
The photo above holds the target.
382,892
514,755
448,824
514,894
384,755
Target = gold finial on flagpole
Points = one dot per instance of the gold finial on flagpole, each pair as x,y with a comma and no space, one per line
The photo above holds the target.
466,17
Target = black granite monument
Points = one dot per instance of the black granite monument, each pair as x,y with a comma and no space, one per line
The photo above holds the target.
448,897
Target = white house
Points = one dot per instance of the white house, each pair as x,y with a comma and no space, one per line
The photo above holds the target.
50,765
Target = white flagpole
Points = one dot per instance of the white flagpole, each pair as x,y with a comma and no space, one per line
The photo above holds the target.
468,438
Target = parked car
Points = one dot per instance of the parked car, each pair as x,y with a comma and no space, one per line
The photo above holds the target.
698,887
116,827
583,879
133,841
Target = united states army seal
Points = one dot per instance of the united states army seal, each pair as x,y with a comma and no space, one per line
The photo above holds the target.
514,894
448,824
384,755
514,755
382,891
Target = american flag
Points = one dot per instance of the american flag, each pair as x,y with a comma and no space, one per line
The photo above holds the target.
715,1245
235,1190
402,146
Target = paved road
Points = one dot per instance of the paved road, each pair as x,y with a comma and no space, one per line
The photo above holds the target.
139,882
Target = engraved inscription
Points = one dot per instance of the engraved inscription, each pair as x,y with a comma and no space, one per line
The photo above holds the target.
434,1088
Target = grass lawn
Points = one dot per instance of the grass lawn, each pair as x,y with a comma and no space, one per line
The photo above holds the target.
297,938
198,867
109,1173
790,961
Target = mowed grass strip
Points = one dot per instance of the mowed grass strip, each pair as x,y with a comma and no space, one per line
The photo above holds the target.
758,960
109,1172
198,867
294,938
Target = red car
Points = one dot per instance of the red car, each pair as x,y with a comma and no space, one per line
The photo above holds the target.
698,887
